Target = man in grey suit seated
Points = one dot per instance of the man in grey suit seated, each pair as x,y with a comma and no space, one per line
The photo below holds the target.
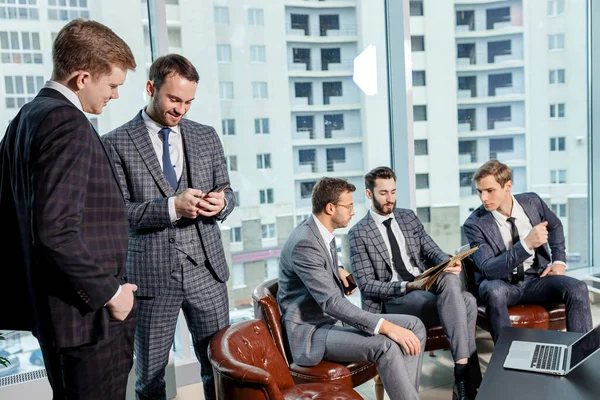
313,305
388,249
521,256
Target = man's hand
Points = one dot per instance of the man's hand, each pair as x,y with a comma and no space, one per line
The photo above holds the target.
455,269
554,269
538,236
186,203
120,307
405,338
211,204
342,273
417,284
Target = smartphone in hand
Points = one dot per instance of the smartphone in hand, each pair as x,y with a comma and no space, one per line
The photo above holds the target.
351,285
219,187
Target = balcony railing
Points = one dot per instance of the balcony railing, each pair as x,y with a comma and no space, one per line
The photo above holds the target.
492,122
314,30
318,65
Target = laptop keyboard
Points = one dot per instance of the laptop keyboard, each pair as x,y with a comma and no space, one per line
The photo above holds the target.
546,357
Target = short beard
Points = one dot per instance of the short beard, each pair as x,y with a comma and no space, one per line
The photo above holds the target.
379,207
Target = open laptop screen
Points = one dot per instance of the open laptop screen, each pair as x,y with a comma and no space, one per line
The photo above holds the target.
585,346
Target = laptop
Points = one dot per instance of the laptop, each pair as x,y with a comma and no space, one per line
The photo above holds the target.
555,359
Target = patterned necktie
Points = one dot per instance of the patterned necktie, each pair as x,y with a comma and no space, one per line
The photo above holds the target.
168,167
396,254
514,233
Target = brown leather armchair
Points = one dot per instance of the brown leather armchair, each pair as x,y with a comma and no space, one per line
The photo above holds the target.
349,374
521,315
248,366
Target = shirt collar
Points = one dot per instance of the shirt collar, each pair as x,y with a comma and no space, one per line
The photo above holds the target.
325,233
516,212
379,219
65,91
154,127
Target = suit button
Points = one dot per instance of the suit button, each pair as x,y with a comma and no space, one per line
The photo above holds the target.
192,241
171,240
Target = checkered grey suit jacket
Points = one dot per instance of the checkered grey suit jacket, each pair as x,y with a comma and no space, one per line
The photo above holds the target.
152,250
310,299
371,261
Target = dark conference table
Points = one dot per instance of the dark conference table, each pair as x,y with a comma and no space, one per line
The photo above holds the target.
501,384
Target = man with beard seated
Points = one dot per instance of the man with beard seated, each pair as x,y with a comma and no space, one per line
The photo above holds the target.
389,248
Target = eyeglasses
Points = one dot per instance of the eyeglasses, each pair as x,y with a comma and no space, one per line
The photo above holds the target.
349,207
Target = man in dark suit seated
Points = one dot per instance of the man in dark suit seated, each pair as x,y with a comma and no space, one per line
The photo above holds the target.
388,249
521,256
313,305
64,213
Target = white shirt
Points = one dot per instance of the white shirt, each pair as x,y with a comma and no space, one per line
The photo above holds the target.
175,152
327,237
523,227
379,219
72,97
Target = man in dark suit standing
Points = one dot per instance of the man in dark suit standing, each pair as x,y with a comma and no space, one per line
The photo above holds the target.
388,249
167,166
313,305
521,256
62,205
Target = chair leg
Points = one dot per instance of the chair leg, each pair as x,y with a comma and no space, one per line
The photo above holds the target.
378,388
431,353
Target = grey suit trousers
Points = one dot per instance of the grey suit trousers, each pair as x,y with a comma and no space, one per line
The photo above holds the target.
445,304
399,373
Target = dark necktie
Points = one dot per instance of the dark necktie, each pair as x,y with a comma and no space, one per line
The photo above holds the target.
334,259
396,254
168,168
514,233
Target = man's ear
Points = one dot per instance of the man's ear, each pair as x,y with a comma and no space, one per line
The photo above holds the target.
369,194
329,209
81,78
508,186
150,88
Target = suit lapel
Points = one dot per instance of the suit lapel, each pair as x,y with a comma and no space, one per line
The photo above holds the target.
378,242
491,228
197,158
329,263
141,140
110,161
408,236
534,218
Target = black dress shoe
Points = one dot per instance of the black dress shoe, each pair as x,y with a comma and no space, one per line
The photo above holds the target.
462,391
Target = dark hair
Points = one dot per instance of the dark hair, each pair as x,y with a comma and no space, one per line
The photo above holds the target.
378,173
328,190
169,64
501,172
89,46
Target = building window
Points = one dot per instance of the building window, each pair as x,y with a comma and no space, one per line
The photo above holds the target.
13,11
418,78
259,90
559,209
304,89
497,16
330,56
257,54
421,147
235,234
556,42
468,148
419,113
221,15
238,276
272,269
498,114
466,18
416,8
306,189
223,53
328,22
61,10
424,214
498,49
20,48
465,180
308,157
256,17
556,7
557,110
237,198
331,89
226,90
268,231
556,76
332,122
306,123
558,176
263,161
266,196
231,162
261,125
557,143
21,89
417,43
503,145
300,22
422,181
228,127
334,156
